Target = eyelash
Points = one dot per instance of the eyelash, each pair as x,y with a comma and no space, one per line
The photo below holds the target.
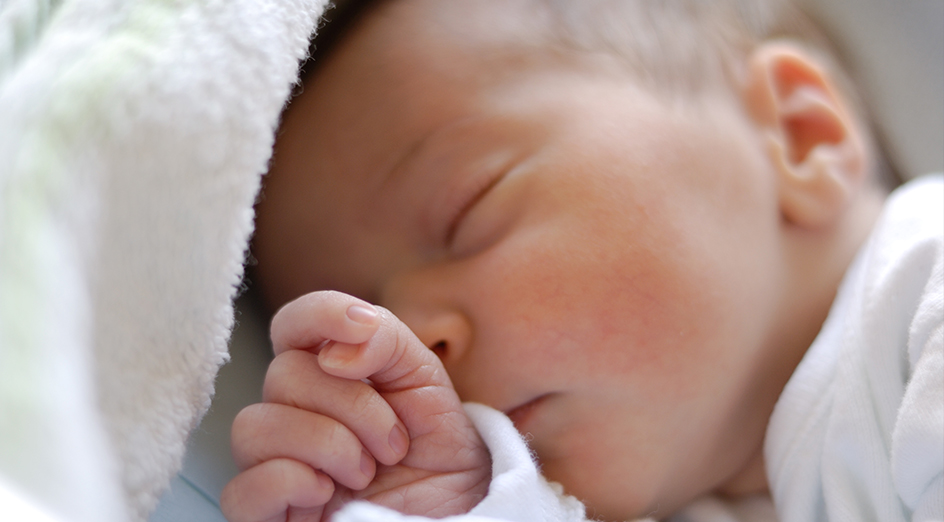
481,189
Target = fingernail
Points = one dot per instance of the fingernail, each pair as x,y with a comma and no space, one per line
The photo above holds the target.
367,464
362,313
337,355
398,440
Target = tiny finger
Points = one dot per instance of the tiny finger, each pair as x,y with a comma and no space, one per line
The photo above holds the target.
314,318
393,358
259,434
296,379
268,490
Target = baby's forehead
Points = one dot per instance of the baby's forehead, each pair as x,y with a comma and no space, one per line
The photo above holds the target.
488,37
406,69
400,29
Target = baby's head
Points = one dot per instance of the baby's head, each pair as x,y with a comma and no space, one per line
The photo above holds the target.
621,222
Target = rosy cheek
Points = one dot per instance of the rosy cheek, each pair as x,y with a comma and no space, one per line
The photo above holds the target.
624,301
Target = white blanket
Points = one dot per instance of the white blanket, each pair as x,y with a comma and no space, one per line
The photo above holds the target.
133,134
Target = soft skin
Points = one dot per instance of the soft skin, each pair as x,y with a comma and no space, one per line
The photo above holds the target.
324,437
649,270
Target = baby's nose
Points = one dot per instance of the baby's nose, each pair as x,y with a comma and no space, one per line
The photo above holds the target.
447,333
428,300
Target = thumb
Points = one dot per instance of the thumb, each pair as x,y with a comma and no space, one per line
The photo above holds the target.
412,379
393,358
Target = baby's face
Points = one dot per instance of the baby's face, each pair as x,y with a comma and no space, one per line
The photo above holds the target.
592,260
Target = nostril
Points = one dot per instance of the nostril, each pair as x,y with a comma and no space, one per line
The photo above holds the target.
439,349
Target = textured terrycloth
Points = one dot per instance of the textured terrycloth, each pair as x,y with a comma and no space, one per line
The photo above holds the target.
133,134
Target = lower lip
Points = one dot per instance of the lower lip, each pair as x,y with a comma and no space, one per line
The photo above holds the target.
520,415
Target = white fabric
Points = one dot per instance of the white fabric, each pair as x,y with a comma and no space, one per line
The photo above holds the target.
754,508
133,134
858,434
19,507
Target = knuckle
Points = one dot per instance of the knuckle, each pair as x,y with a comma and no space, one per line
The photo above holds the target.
279,320
246,432
246,421
337,438
345,445
331,295
324,299
365,404
230,501
283,374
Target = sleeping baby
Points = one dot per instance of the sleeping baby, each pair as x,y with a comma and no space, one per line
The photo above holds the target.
656,242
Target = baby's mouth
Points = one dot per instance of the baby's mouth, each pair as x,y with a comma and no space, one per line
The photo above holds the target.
520,415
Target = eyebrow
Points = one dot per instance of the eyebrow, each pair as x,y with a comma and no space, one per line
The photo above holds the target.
395,179
467,129
399,167
396,171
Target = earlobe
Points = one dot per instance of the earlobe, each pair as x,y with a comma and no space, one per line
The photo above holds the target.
813,142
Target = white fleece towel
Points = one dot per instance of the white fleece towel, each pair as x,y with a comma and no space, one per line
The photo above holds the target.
133,134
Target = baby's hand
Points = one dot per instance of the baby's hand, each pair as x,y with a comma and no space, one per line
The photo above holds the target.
356,407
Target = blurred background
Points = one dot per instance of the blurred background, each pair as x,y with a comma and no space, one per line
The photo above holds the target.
895,50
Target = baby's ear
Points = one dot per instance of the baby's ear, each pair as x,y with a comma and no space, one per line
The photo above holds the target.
814,142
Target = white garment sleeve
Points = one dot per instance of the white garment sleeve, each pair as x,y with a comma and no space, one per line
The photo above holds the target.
917,459
517,493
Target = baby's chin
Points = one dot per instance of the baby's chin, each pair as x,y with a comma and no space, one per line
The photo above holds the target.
612,494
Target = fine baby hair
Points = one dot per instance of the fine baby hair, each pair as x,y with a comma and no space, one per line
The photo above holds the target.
677,49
